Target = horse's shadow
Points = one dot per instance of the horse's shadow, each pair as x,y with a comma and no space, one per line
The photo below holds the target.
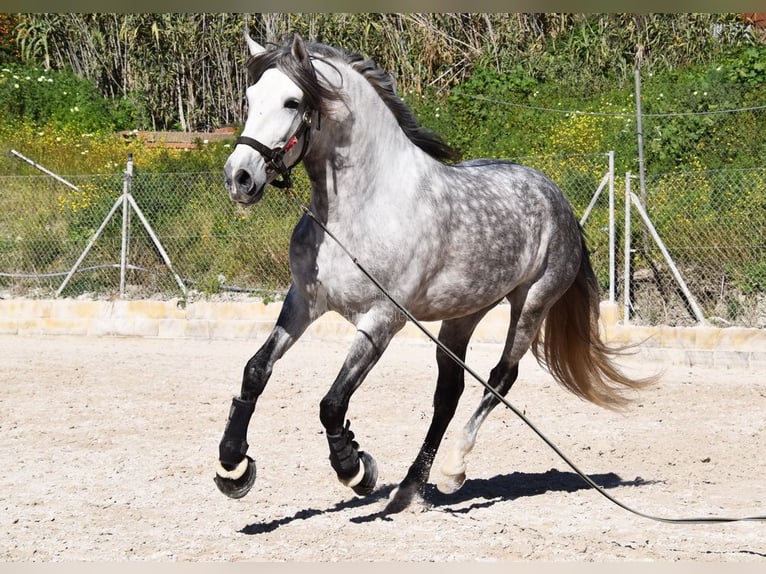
481,493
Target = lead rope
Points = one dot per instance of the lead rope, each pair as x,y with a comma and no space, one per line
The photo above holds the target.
503,400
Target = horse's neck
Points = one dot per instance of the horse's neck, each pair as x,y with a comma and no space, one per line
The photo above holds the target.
363,154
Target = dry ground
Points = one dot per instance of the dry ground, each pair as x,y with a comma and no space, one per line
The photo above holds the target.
108,450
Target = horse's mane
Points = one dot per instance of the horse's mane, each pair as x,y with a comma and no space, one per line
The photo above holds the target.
318,94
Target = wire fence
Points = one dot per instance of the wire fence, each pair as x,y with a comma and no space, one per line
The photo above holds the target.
212,244
713,226
712,223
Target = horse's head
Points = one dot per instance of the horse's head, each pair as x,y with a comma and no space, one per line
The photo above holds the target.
277,128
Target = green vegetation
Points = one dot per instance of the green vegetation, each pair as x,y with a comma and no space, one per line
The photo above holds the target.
552,88
493,84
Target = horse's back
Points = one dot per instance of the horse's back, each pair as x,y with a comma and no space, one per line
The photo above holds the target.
514,203
501,225
509,181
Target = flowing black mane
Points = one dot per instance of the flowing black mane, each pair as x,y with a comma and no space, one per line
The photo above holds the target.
317,94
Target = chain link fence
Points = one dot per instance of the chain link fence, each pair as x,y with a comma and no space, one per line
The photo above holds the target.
712,223
214,246
713,226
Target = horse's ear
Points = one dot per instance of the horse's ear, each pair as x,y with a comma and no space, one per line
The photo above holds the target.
254,47
299,50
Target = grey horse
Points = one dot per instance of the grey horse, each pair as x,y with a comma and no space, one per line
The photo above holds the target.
448,241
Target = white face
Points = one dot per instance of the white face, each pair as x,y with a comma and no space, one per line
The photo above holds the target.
274,113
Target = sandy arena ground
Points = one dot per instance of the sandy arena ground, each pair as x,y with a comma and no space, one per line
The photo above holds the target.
109,444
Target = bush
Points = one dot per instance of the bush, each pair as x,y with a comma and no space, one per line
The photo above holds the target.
60,100
748,67
688,116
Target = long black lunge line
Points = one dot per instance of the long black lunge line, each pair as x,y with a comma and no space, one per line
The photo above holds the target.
517,412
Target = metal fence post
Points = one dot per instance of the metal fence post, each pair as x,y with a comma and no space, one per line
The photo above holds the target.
126,185
626,254
127,201
673,269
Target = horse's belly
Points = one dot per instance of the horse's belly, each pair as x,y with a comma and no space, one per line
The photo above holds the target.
439,301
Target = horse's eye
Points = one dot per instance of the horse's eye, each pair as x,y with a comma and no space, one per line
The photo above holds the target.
292,104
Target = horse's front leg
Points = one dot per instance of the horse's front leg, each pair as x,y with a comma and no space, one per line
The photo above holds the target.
235,471
356,469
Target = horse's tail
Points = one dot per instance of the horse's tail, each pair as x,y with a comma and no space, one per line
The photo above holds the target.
570,347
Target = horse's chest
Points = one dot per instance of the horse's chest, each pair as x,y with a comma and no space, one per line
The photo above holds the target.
326,274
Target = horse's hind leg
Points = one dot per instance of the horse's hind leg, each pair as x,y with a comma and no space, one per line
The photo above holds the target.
525,323
235,472
454,334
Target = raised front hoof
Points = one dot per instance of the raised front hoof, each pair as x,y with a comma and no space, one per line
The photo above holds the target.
369,467
236,483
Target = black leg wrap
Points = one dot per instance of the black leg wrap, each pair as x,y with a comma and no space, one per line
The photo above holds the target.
344,453
233,445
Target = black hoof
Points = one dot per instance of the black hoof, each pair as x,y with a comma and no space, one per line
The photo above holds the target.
401,498
237,487
367,484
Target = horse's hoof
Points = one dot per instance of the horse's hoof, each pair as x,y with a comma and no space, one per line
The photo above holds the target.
397,501
451,484
236,483
405,497
367,484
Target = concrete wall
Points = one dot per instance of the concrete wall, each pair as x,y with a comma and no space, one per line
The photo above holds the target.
732,347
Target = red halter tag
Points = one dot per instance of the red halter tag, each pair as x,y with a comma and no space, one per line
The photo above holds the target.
291,143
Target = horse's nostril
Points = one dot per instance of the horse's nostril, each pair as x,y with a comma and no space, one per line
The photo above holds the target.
243,180
242,177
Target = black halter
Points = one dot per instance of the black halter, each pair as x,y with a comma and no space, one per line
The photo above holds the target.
275,156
